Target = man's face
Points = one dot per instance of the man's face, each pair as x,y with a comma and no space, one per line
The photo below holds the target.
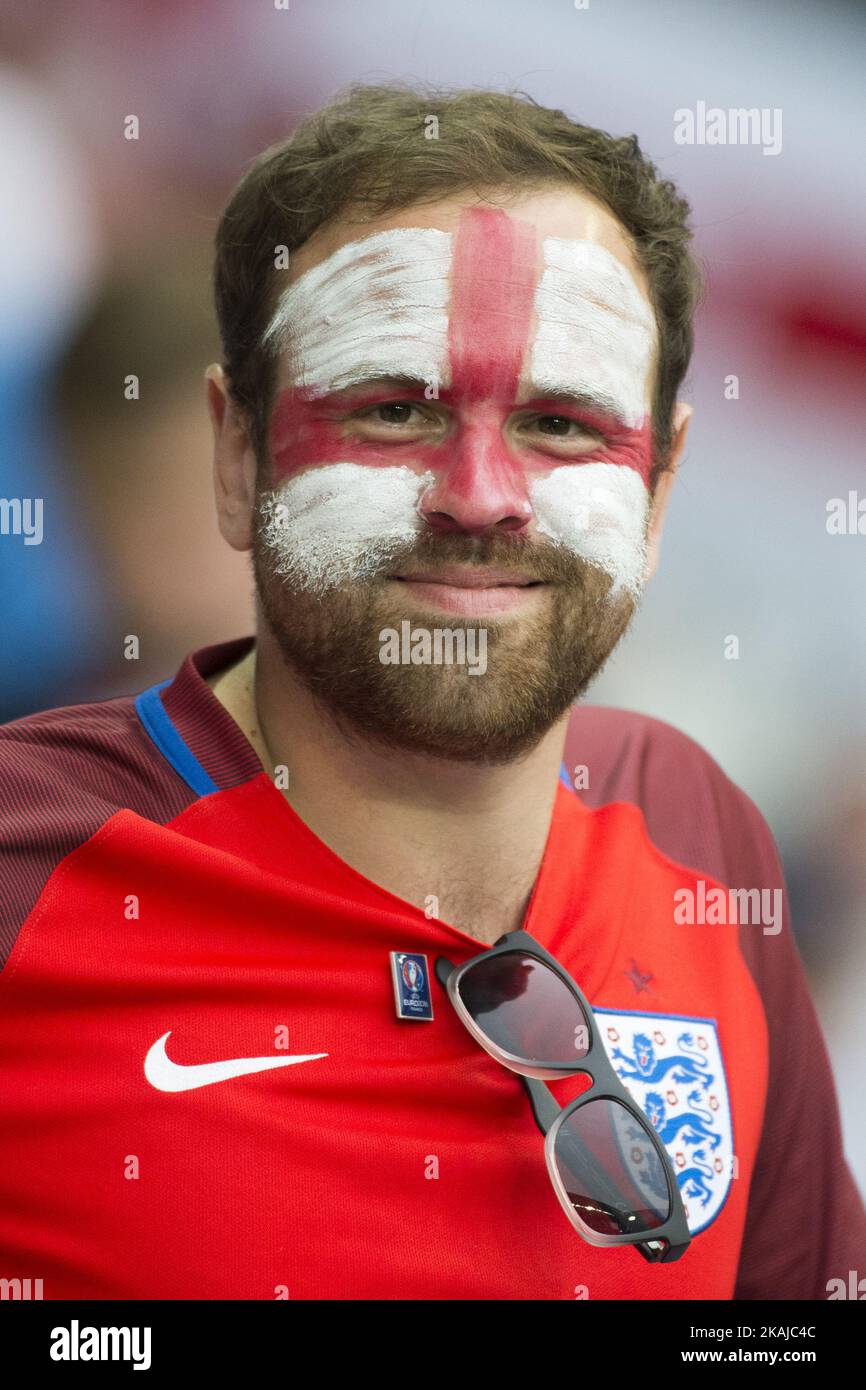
460,438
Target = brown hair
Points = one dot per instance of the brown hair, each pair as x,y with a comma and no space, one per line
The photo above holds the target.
367,149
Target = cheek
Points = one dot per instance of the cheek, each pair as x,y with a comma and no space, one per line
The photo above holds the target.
340,522
599,512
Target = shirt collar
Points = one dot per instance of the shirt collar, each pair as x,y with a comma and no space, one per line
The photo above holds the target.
201,721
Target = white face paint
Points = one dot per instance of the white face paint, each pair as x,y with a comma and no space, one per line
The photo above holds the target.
598,511
376,307
596,332
341,522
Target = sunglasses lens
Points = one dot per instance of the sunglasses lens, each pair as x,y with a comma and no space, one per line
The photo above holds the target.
525,1008
611,1170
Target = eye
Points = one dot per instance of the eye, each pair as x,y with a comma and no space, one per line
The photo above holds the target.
563,428
560,425
401,422
393,413
555,424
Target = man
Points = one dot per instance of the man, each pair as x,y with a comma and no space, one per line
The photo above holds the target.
446,427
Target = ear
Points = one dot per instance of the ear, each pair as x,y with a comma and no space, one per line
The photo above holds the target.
659,505
234,463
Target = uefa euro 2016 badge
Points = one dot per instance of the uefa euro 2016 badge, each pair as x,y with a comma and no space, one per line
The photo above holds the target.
411,985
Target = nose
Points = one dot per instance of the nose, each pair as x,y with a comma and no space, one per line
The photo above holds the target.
481,487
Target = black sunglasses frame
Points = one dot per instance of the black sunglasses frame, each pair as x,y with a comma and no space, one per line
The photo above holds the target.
668,1241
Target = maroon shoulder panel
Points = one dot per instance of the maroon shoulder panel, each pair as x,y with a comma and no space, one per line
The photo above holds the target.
64,772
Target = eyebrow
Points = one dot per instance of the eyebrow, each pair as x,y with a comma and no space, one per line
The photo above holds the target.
596,402
373,377
539,393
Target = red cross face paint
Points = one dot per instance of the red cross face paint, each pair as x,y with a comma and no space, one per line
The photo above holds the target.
486,330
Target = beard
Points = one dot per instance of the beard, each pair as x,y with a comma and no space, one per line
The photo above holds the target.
538,662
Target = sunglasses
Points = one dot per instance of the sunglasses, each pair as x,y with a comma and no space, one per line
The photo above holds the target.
609,1168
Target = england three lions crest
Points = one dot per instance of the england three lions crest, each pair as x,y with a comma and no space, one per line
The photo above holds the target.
672,1066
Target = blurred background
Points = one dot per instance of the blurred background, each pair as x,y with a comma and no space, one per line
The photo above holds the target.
105,259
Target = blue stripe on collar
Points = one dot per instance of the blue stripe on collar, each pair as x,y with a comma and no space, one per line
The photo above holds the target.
152,713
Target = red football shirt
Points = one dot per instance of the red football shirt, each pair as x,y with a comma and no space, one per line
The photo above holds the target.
160,898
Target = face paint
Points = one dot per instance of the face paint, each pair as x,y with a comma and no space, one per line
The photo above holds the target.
375,308
595,330
341,522
598,511
493,279
469,312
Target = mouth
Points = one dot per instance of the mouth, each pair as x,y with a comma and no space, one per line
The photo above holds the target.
470,591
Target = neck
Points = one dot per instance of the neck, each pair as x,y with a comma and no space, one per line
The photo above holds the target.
461,841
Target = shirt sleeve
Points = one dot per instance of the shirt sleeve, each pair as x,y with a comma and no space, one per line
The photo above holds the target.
806,1222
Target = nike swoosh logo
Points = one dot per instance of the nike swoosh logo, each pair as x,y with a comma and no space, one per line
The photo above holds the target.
167,1075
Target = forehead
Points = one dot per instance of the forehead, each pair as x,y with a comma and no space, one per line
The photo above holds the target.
551,212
